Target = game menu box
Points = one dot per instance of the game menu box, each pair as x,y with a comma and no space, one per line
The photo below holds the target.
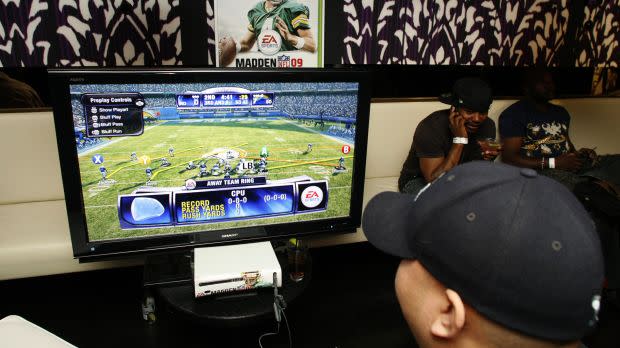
113,115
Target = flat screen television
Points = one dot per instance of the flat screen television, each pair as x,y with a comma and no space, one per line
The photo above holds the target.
160,159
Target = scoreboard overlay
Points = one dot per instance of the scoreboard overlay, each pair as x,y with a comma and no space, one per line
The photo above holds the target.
225,100
200,206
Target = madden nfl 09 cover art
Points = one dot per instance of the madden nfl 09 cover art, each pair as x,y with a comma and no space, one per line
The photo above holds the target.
174,158
269,33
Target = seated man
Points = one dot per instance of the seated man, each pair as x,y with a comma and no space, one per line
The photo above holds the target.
484,265
535,133
449,137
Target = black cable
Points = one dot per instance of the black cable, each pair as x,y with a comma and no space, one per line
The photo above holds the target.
269,334
288,329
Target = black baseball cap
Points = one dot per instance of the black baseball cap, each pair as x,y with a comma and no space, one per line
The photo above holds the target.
471,93
517,247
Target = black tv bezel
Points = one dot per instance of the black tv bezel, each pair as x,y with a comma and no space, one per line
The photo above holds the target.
85,250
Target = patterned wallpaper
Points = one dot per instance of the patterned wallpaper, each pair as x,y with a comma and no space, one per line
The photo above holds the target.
24,34
210,31
89,33
473,32
599,34
484,32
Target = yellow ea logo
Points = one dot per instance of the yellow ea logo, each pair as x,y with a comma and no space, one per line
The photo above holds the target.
146,160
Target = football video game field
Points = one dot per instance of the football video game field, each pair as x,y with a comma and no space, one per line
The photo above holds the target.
201,140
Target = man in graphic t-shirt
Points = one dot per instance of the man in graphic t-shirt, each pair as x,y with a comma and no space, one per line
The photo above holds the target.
449,137
535,133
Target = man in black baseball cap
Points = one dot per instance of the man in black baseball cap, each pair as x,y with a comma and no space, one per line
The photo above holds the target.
493,256
452,136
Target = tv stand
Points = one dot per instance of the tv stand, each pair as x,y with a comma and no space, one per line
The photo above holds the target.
169,279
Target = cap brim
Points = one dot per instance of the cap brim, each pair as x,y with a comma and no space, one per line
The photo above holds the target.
447,98
387,226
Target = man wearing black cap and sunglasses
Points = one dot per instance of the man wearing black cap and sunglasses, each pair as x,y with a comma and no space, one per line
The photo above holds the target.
449,137
493,256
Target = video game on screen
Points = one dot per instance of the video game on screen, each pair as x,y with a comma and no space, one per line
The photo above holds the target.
178,158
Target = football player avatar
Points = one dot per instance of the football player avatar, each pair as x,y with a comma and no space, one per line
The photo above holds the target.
229,154
171,151
227,167
203,169
134,157
104,173
309,148
216,169
341,164
262,166
149,174
164,162
190,165
227,175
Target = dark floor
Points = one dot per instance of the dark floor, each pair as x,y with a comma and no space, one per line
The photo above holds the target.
349,302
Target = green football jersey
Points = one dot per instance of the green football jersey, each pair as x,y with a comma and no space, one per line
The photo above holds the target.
294,14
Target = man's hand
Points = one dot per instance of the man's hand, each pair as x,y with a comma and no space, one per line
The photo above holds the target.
490,155
283,29
569,161
457,124
490,148
589,155
589,152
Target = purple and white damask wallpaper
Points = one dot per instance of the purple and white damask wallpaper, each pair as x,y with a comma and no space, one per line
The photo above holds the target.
89,33
483,32
24,33
210,23
470,32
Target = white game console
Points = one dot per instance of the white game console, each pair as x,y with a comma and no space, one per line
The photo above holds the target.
233,268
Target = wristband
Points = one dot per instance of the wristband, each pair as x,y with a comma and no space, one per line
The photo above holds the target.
551,162
237,45
460,140
300,43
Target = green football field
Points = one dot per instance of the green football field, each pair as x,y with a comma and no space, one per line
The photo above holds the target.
201,140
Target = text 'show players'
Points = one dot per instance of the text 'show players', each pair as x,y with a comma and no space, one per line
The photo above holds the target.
184,206
113,115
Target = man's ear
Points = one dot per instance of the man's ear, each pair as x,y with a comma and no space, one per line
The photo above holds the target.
452,317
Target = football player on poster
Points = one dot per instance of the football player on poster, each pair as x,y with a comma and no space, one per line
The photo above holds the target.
275,33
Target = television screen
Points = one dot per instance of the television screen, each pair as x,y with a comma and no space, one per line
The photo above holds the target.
162,159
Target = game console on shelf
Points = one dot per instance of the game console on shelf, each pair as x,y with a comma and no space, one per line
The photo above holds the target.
233,268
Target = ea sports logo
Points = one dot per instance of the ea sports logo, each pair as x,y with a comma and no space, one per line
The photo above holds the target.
190,184
269,42
311,196
268,39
